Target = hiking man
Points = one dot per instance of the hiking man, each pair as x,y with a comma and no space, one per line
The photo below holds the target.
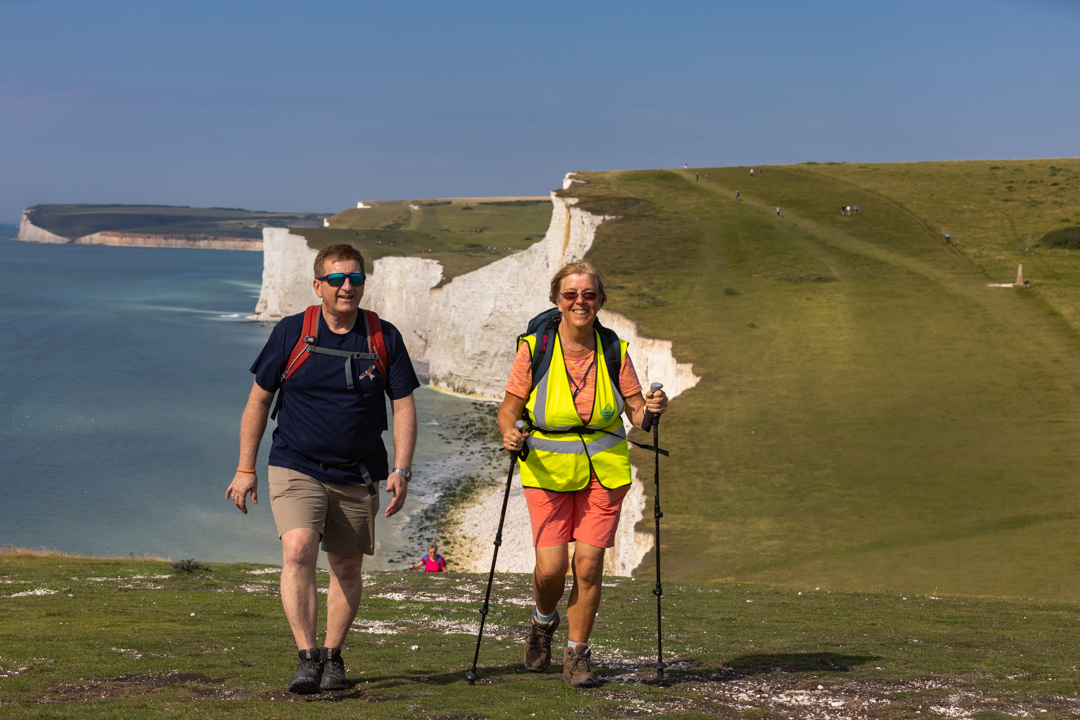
328,455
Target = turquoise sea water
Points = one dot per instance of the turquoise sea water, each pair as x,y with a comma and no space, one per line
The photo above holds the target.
123,374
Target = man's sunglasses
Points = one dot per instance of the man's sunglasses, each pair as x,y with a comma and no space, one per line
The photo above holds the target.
572,295
338,279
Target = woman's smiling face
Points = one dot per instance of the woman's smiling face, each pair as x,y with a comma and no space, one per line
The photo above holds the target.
579,312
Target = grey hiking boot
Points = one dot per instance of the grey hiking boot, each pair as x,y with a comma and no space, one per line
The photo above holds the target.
538,644
577,667
333,670
308,673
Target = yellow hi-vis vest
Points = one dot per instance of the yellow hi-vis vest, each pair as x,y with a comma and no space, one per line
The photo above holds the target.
564,448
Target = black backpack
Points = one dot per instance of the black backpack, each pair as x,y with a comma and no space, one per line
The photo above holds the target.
545,325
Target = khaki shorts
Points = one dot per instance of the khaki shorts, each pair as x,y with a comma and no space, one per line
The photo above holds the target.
344,515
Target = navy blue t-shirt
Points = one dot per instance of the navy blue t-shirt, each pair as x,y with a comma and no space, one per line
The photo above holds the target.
321,420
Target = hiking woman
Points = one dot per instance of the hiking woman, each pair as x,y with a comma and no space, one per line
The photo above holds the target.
577,469
432,562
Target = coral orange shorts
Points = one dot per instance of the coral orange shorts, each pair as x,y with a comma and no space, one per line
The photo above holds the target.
590,515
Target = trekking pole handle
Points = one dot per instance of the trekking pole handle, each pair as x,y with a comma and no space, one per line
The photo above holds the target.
520,454
653,388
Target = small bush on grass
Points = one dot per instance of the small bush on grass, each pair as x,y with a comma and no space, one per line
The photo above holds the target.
1068,238
189,566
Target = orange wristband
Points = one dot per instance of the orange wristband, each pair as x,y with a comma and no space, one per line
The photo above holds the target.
245,471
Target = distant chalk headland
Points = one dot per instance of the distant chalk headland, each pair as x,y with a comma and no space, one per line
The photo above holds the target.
155,225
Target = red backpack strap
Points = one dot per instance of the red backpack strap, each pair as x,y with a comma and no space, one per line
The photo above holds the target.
373,326
300,351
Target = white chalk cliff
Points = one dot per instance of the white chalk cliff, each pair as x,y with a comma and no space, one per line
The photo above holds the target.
466,331
288,267
29,232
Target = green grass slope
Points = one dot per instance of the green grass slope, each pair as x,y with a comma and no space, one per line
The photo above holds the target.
99,638
463,234
871,415
73,221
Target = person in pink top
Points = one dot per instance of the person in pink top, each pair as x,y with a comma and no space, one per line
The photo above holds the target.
432,562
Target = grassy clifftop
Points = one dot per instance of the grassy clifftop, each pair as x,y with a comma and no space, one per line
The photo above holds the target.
98,638
463,234
871,415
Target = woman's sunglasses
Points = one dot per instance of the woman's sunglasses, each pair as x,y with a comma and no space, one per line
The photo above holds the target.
338,279
572,295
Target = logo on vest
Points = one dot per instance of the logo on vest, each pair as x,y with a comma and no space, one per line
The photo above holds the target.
608,412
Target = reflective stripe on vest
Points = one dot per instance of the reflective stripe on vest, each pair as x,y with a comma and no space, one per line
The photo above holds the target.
574,446
564,448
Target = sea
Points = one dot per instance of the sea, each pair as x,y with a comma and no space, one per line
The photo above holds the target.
123,375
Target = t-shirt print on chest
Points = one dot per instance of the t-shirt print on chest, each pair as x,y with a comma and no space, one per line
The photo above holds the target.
369,374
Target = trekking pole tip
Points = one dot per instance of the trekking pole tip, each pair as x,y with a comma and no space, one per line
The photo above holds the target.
472,676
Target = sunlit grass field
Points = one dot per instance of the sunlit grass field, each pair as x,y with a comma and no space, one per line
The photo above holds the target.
871,415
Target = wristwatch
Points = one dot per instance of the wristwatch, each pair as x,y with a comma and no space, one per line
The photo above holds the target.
407,474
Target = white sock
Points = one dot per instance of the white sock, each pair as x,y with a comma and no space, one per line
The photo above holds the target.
546,618
577,647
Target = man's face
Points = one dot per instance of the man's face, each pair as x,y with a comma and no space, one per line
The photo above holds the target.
341,300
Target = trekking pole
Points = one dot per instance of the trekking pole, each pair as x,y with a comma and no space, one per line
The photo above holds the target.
472,676
658,591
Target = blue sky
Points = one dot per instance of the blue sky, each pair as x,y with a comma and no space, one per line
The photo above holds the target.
313,106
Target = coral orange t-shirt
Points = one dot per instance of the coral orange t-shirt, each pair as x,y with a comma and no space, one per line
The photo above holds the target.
582,373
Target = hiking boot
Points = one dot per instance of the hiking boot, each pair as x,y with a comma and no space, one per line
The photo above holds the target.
538,644
308,673
333,670
577,667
